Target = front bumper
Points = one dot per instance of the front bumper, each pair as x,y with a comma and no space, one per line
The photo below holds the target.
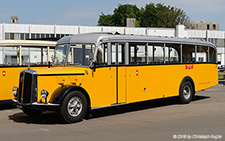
35,105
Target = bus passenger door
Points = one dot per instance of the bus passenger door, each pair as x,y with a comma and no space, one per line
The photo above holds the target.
109,77
101,83
119,60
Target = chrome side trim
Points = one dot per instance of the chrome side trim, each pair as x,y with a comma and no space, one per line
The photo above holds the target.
44,104
15,100
113,105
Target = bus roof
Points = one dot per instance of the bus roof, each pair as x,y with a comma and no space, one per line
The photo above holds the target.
27,43
96,38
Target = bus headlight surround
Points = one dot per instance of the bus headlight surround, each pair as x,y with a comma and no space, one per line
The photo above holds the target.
44,94
15,90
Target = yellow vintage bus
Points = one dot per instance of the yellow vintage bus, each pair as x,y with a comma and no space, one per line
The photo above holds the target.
16,52
97,70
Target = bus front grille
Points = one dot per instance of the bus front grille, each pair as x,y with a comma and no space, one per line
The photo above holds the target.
27,87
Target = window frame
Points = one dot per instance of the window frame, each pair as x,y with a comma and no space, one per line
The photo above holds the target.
167,59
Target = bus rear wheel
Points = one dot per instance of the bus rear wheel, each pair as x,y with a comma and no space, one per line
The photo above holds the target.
186,92
74,107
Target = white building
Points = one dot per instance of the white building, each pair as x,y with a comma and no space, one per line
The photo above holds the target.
15,31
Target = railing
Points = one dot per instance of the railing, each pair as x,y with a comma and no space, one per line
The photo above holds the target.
222,78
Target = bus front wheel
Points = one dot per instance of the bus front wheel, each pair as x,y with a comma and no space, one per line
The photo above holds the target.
186,92
74,107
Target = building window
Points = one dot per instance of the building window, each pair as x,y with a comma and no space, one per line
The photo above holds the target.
11,36
207,26
58,36
7,36
37,36
196,26
220,42
16,36
42,35
214,27
26,36
22,36
32,36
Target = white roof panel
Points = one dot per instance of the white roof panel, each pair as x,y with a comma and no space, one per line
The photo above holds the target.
27,43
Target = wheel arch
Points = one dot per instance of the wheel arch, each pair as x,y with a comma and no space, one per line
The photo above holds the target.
188,78
64,92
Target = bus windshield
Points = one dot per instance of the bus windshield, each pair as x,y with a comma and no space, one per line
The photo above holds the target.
77,54
60,54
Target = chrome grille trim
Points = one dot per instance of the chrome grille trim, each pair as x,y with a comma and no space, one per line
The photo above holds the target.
27,87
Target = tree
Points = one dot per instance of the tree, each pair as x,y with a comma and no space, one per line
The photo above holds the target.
160,15
148,16
123,12
119,16
152,15
105,20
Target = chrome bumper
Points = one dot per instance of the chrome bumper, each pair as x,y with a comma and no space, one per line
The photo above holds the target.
35,104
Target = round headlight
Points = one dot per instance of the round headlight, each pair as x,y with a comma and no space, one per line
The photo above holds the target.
44,94
15,89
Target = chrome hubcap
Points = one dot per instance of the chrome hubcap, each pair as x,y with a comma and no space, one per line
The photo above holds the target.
187,92
74,106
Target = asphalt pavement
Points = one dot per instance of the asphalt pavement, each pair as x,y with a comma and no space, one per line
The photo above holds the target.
164,119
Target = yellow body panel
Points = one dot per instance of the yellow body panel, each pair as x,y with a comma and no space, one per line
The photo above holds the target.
122,84
111,85
54,78
164,80
104,77
105,95
10,80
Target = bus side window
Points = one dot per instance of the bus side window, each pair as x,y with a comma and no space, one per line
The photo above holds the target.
132,55
137,53
188,53
150,49
113,53
121,53
102,55
212,55
202,54
99,57
171,53
118,53
155,53
158,54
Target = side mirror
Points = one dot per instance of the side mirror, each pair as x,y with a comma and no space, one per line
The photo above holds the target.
91,59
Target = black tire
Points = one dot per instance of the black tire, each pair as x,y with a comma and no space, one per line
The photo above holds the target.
74,107
186,92
32,112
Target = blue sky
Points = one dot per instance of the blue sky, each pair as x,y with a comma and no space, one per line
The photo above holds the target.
86,12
